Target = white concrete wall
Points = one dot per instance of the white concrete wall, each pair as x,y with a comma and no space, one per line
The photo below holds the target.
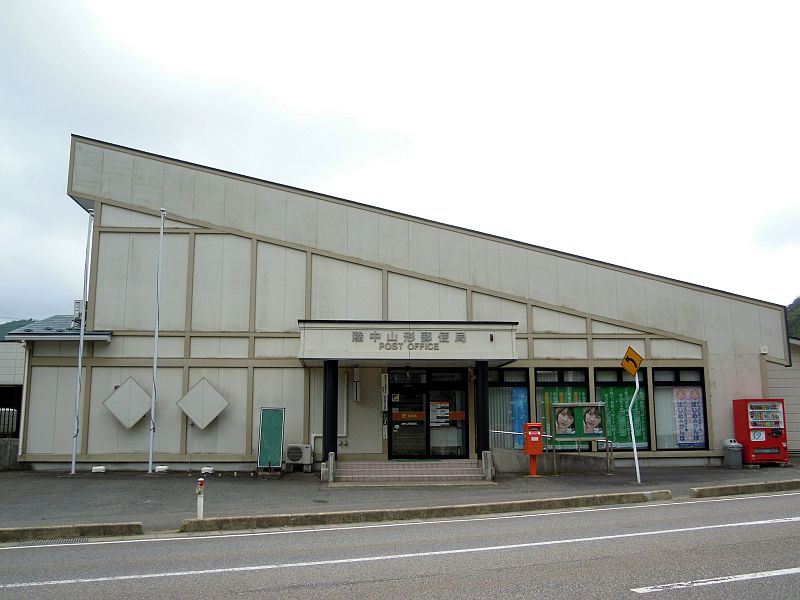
280,288
51,411
343,290
420,300
224,435
784,382
360,420
12,363
108,436
221,294
127,265
279,388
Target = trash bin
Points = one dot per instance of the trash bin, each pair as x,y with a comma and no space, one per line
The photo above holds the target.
733,454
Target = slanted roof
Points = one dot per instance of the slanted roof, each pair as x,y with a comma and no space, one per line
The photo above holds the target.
56,328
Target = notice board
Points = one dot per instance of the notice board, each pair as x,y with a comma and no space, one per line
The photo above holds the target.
270,439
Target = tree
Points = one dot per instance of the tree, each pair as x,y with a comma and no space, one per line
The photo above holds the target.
793,314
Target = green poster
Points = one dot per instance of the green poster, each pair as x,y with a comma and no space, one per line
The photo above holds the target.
617,399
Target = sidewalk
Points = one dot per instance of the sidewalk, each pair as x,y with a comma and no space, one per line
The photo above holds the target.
162,502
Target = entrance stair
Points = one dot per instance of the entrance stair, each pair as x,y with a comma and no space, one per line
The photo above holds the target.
399,471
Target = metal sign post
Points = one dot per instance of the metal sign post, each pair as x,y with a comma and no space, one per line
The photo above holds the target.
633,435
631,363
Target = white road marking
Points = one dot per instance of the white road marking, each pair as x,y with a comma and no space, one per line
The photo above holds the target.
367,559
415,523
715,580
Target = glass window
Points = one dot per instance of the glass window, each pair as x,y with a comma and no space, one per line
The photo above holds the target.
509,407
680,409
615,387
560,385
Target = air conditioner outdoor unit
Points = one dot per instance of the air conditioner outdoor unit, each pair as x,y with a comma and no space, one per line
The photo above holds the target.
299,454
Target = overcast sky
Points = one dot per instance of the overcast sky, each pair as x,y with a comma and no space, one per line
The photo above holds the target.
663,137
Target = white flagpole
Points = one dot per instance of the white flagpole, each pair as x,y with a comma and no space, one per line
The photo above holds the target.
155,342
84,294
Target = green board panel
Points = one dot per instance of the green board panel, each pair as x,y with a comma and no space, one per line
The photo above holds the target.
270,440
617,399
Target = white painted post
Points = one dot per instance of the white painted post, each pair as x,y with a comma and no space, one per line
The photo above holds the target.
201,487
633,435
155,343
85,293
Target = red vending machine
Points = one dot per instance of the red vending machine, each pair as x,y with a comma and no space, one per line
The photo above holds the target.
760,427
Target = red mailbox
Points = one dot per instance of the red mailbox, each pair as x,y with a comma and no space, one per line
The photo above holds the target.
533,443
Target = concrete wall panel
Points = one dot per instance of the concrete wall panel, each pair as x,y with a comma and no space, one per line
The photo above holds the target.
240,205
87,169
423,249
602,292
660,305
559,349
573,289
277,347
674,349
453,256
108,436
513,270
393,245
484,263
117,182
551,321
279,388
717,317
342,290
542,277
491,308
332,227
615,349
689,313
747,332
221,295
301,219
219,347
226,433
631,299
51,413
148,183
363,234
179,190
209,198
420,300
126,281
129,346
270,212
280,288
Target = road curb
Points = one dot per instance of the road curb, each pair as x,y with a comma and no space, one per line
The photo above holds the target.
59,532
400,514
744,488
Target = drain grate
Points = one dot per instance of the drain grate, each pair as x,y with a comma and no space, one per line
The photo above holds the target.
77,540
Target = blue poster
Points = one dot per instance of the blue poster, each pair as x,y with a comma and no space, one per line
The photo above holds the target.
519,409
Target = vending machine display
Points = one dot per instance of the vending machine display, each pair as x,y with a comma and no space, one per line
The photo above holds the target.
760,427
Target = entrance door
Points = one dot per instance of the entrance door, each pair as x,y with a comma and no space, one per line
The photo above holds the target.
428,413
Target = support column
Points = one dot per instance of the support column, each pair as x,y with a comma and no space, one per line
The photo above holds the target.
481,406
330,407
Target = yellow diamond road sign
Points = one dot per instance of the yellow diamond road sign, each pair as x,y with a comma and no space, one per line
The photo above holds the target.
631,362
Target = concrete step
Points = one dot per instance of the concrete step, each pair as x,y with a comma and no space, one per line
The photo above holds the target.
410,477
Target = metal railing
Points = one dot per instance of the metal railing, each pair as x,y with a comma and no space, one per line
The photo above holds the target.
9,422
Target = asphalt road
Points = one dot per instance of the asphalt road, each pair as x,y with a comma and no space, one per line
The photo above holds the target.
749,546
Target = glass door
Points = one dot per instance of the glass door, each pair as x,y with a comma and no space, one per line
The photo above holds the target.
428,413
409,427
